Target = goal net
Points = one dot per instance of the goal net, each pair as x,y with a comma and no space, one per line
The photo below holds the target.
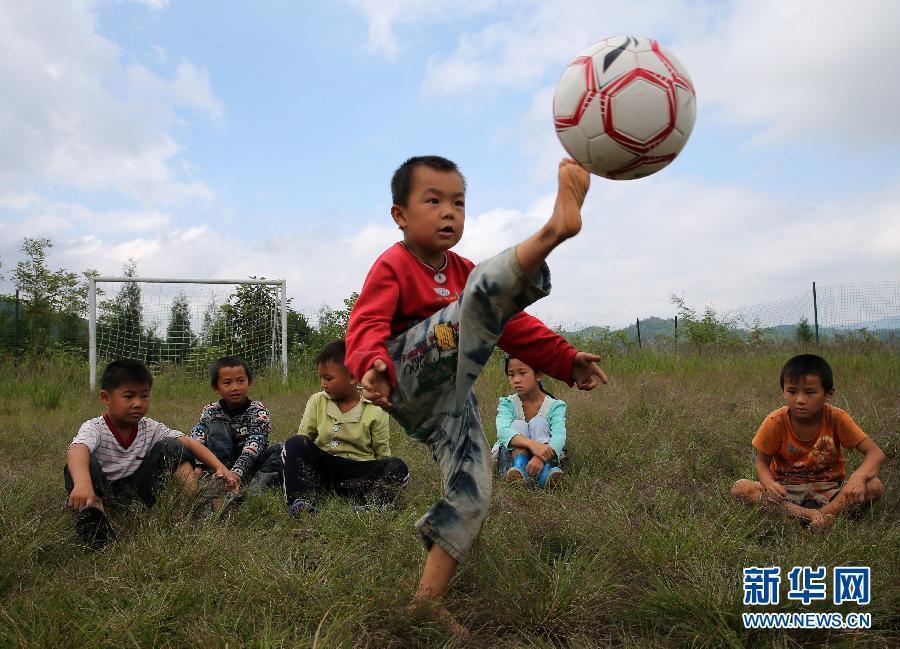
187,324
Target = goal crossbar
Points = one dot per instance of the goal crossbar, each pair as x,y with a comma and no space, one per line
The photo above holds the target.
92,310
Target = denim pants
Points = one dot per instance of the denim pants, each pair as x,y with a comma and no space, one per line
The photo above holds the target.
437,363
266,468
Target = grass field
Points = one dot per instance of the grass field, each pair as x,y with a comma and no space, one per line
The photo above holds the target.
641,546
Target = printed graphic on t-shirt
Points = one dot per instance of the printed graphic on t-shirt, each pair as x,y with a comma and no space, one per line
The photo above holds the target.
823,454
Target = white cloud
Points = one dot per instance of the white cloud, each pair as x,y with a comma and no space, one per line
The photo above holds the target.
155,5
76,114
384,16
809,69
717,244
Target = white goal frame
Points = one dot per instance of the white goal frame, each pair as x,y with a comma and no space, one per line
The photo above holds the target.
92,311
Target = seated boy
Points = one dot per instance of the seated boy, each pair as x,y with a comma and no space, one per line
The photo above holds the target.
799,460
426,322
236,428
344,444
124,454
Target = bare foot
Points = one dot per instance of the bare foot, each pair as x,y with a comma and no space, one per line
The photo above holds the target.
574,181
821,522
437,612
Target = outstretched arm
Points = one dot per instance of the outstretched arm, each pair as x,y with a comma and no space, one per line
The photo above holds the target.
78,459
368,330
232,480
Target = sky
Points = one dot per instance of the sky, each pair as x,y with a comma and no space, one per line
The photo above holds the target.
225,139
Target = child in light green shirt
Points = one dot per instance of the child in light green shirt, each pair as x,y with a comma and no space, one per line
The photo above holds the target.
343,444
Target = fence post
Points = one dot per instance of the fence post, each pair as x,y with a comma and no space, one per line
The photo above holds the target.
16,335
638,320
816,313
675,335
92,333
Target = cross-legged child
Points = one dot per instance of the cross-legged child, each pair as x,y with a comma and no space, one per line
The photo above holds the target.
426,322
236,428
531,429
799,460
124,455
344,444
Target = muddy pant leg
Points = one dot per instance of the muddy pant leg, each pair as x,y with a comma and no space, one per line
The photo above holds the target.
375,481
438,361
303,463
161,462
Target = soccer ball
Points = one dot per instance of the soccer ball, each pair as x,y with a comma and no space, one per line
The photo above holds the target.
624,107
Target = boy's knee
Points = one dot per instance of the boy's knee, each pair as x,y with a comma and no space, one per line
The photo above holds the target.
296,445
745,490
171,451
874,490
396,470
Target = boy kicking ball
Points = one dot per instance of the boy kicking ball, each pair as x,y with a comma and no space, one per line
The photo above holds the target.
426,322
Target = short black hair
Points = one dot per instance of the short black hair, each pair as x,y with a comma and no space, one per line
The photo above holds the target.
228,361
401,182
808,365
125,370
508,357
333,352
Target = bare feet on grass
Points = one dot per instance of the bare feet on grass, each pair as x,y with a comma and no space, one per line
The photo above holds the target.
820,522
435,611
574,181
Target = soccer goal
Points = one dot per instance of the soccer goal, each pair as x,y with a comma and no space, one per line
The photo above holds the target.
185,324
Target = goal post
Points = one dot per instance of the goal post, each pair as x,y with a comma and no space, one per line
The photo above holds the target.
187,323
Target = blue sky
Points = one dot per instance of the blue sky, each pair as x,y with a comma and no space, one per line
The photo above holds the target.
227,139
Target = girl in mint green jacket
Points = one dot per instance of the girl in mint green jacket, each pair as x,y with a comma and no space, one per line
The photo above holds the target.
531,429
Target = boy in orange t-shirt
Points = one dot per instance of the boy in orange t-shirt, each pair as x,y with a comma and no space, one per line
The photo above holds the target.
799,461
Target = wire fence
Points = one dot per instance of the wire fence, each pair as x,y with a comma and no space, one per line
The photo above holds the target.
825,314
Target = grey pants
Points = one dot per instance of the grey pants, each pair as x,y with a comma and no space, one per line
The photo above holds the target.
437,362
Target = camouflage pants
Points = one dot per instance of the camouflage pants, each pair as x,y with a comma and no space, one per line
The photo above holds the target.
437,362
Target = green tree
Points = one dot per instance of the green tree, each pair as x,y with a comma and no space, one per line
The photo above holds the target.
331,325
121,319
180,338
300,332
54,301
249,324
706,331
804,333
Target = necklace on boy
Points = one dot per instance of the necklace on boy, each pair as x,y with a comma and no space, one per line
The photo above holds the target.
439,275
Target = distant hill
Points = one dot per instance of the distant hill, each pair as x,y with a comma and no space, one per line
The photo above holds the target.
653,327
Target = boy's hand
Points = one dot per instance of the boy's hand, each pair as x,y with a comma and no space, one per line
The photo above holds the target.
534,466
83,496
232,480
854,490
543,451
776,489
376,384
586,372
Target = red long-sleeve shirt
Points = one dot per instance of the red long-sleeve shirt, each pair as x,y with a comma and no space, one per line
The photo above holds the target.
400,291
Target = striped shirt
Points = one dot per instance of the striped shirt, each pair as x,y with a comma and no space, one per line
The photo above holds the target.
120,456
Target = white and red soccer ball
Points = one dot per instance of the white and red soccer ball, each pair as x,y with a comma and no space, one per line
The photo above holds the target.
624,107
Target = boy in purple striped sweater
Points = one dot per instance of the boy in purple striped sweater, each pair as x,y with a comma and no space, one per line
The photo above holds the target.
124,455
